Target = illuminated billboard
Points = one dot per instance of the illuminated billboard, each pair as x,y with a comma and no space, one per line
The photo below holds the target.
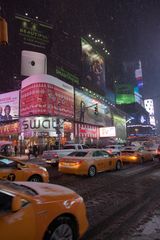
124,94
37,126
46,95
120,125
9,106
9,129
85,110
93,67
107,132
149,106
33,32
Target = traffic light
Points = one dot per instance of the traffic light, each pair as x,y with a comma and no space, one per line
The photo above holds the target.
3,31
96,109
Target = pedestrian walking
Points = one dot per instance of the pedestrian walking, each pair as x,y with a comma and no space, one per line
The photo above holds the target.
15,150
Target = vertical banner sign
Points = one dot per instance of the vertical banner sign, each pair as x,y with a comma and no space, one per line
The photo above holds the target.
93,68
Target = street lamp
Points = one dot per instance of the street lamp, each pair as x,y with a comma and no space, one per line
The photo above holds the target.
129,119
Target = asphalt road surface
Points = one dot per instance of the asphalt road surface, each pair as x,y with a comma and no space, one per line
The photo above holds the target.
121,205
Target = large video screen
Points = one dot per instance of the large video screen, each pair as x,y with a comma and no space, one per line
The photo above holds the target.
9,106
85,110
93,68
46,95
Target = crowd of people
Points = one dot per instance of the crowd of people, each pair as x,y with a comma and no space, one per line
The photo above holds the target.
32,151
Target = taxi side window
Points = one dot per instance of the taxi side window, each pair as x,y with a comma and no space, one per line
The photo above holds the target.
5,202
105,154
97,154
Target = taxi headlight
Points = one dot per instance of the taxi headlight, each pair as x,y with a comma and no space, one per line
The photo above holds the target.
69,203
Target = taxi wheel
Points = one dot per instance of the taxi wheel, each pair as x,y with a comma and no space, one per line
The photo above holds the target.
35,178
118,165
62,228
92,171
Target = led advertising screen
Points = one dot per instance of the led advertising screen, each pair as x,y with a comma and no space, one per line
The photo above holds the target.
85,110
9,106
46,95
93,68
124,94
120,125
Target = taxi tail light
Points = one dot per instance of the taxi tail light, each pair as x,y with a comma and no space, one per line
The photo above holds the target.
71,163
78,162
110,151
75,162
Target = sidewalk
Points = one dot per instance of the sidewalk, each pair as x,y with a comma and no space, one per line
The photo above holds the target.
32,159
22,157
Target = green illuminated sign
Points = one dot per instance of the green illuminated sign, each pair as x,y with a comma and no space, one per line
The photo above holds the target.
67,75
120,124
124,94
125,99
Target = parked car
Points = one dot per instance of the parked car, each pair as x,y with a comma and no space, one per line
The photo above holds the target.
114,149
52,156
36,211
89,162
15,170
135,154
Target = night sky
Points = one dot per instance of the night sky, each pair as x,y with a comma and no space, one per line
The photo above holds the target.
131,30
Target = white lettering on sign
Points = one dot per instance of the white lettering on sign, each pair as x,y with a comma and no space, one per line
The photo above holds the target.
38,124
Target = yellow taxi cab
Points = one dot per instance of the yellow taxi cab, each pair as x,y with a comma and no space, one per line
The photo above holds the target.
135,154
15,170
36,211
89,162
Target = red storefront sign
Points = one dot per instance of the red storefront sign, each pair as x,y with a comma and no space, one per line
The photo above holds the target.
86,131
9,129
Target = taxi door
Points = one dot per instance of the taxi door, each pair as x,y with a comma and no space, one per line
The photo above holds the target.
148,154
107,161
11,173
145,154
99,160
7,173
16,225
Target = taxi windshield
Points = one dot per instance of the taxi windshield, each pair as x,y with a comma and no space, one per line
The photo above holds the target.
78,154
18,187
7,163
